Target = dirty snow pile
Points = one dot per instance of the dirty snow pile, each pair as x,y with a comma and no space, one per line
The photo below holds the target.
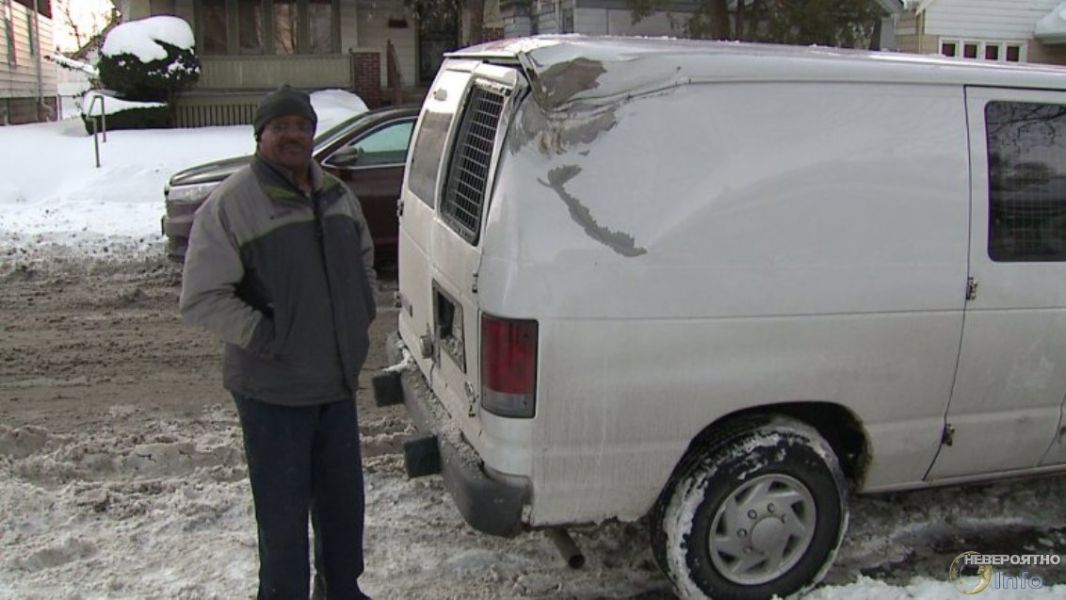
131,510
54,202
164,511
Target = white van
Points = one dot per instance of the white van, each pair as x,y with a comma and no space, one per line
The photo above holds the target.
724,285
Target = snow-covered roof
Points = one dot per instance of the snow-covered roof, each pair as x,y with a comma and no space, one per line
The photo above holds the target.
141,38
599,69
73,64
1052,28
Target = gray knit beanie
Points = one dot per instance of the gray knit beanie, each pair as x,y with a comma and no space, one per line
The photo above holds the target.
281,102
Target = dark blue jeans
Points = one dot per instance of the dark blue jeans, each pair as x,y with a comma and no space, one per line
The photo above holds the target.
305,460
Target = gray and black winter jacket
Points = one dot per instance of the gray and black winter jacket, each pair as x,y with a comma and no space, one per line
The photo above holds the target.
286,280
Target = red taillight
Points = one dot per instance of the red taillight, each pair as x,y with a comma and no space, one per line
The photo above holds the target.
508,366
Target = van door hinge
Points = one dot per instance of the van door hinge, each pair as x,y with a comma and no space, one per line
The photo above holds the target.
971,288
473,285
947,438
472,399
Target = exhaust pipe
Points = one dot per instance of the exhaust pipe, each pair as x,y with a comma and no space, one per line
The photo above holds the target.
566,547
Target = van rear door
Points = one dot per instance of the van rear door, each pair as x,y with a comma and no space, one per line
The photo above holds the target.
446,194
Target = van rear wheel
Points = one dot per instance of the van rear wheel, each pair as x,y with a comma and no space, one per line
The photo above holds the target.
760,511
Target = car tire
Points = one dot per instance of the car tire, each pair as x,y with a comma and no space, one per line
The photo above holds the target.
760,510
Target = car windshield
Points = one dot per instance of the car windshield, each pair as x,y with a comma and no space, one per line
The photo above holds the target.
328,136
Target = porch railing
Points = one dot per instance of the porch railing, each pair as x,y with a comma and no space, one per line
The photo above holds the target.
230,87
209,109
267,72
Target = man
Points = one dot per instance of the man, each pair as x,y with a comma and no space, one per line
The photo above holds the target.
280,267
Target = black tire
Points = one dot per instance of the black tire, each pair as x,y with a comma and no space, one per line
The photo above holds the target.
774,497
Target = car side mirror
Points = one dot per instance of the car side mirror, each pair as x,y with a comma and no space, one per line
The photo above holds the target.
347,156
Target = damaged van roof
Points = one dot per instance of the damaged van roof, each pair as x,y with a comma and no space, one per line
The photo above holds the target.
569,68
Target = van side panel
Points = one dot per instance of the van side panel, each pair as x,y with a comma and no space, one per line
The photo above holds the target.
721,246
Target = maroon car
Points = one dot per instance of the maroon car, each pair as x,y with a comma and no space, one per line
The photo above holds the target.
367,152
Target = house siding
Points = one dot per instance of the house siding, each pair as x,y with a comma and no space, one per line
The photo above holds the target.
917,44
986,19
373,35
19,81
979,21
349,26
610,21
547,15
1046,53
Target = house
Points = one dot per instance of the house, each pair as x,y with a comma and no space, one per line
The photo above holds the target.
517,18
384,50
992,30
375,48
27,78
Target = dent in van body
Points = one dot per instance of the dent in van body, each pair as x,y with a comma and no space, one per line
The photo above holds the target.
558,133
618,241
562,81
793,254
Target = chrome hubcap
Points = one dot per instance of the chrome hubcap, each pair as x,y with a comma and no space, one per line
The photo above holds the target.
762,529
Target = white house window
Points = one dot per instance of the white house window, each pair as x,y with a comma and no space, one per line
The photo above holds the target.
250,26
268,26
285,27
320,21
213,33
989,50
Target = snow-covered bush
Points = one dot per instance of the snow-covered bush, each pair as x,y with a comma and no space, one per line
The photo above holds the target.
149,59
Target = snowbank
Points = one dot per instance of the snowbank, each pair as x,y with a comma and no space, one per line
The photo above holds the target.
74,65
111,105
141,38
54,202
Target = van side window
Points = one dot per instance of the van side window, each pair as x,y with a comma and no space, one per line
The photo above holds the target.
1027,181
426,154
468,174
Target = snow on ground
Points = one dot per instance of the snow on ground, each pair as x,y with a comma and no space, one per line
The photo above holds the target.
165,512
55,201
110,105
133,512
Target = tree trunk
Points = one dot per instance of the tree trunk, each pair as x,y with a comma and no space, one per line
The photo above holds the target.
753,20
738,26
875,37
720,20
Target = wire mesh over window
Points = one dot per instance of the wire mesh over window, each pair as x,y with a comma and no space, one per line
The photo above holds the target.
468,174
1027,181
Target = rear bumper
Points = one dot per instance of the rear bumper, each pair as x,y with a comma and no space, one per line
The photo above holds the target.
489,505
